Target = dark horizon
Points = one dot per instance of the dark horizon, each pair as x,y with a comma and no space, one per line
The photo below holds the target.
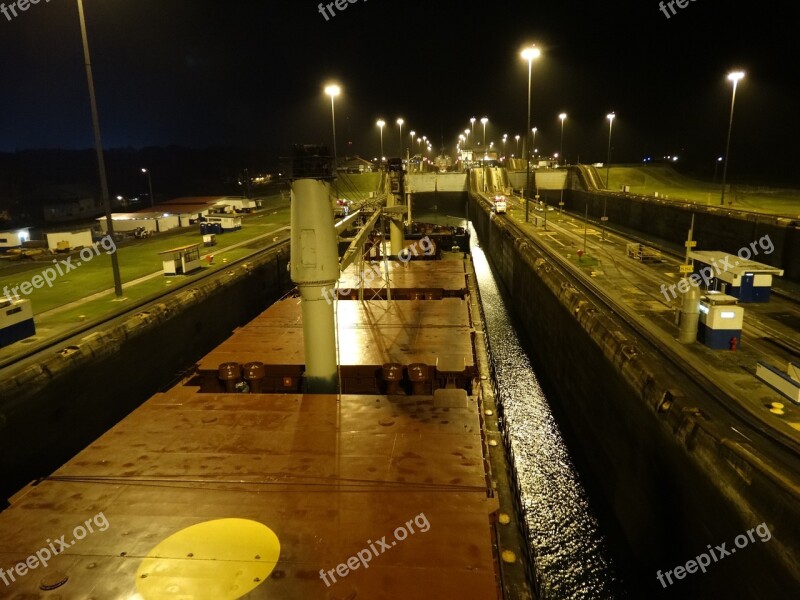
251,76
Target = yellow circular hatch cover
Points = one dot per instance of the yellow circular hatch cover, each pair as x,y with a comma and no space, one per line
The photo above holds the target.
222,559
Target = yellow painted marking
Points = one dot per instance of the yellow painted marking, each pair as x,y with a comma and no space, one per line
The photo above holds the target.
794,424
222,559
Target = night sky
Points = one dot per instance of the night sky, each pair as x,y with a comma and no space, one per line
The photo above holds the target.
250,73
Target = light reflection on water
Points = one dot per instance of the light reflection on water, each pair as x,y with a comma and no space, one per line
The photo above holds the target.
569,551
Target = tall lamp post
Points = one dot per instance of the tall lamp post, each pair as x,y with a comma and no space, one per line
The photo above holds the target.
563,117
400,124
410,149
735,76
484,120
610,117
98,144
472,124
380,124
516,137
533,146
150,182
528,54
333,91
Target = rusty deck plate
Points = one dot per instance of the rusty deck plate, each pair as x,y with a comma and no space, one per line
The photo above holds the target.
373,333
448,275
325,476
328,475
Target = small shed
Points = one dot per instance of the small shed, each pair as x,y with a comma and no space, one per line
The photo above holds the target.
746,280
180,261
16,320
720,321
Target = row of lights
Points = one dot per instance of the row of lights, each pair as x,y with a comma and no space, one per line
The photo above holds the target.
530,54
334,90
464,138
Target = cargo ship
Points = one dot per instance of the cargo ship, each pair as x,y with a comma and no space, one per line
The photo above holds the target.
342,444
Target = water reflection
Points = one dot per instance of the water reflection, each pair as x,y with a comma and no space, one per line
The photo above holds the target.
570,553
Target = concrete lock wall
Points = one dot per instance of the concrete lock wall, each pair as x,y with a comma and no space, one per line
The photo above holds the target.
672,479
432,182
52,409
547,179
716,228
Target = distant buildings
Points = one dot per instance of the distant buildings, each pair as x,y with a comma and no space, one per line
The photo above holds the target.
68,203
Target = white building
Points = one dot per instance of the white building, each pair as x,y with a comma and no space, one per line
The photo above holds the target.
15,238
64,240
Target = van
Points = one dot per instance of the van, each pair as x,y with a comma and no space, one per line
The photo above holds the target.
500,205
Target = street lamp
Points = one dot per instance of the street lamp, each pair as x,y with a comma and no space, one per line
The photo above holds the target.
484,120
528,54
400,124
563,117
716,166
516,137
98,144
534,130
380,124
735,76
150,182
333,90
610,117
472,124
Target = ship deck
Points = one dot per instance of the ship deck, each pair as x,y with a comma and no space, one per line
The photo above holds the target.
329,476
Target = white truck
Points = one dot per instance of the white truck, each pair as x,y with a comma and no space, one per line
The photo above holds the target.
500,205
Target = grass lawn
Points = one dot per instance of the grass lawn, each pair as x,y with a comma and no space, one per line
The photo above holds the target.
666,181
138,259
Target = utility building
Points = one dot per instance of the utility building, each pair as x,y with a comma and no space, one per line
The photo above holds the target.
745,280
